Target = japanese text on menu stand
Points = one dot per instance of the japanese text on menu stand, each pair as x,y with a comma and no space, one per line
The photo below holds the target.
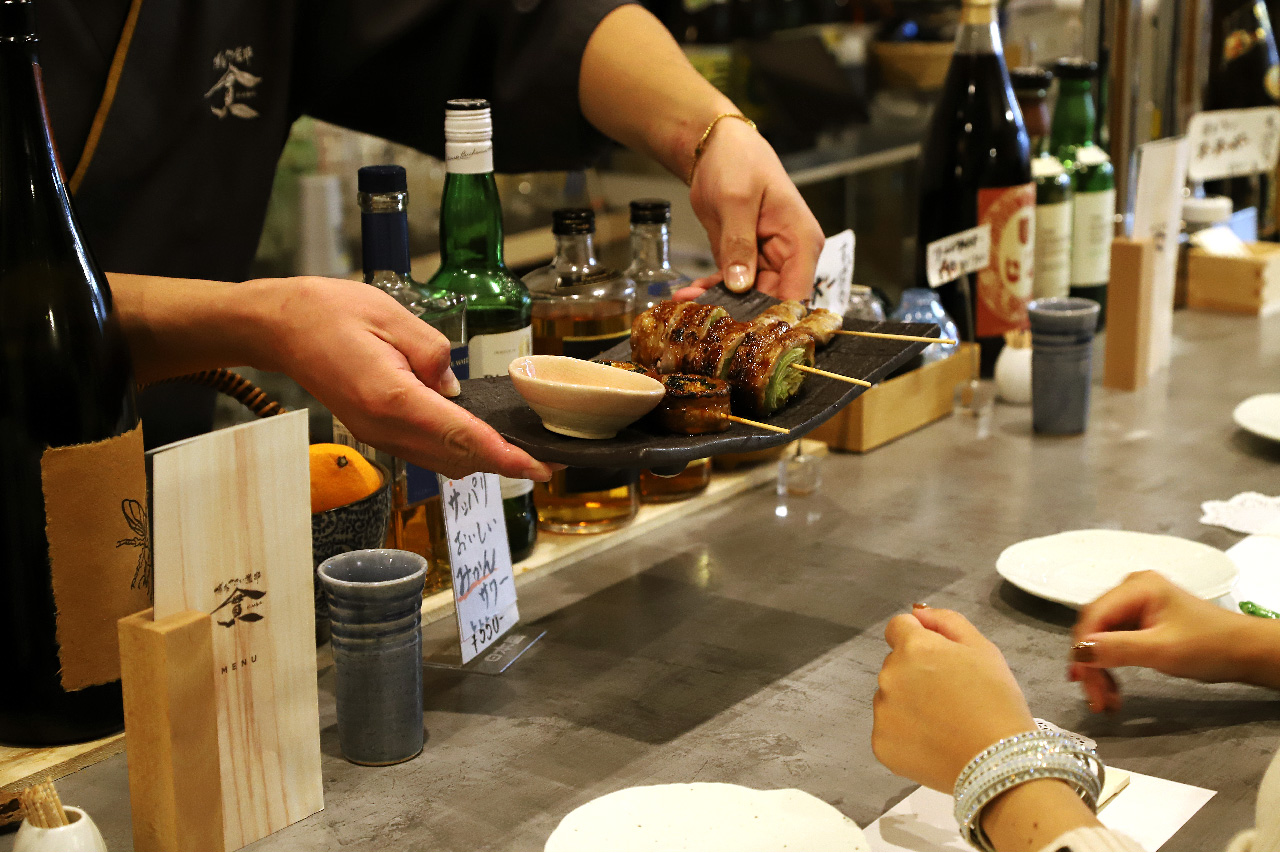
484,589
1229,143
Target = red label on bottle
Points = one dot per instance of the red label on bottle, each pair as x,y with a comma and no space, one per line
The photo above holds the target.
1004,287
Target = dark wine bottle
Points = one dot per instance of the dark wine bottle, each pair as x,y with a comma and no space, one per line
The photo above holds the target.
976,169
73,522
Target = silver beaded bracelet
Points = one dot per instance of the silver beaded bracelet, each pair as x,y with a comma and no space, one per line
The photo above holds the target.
1022,758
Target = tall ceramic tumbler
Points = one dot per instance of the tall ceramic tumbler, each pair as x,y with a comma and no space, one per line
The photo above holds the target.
1062,330
375,601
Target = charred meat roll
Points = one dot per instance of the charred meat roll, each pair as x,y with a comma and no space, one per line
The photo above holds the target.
821,324
693,405
761,370
630,367
790,312
666,335
712,355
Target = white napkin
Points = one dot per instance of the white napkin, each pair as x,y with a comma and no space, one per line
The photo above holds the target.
1258,559
1247,512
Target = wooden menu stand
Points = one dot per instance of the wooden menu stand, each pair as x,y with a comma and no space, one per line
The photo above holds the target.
1129,314
172,726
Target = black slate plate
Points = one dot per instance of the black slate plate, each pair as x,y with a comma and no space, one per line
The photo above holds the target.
494,400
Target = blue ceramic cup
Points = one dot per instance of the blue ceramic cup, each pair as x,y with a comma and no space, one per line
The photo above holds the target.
375,601
1062,330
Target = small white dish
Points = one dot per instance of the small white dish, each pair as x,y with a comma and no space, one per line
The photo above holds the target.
1076,567
81,834
583,399
1260,415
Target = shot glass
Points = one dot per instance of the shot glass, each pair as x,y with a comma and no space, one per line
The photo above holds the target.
1062,330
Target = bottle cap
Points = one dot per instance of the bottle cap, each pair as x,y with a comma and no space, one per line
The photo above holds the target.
1206,211
468,136
17,20
1031,77
573,220
1075,68
650,211
382,179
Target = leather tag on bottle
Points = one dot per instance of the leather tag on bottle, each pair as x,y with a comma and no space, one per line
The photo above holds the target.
95,498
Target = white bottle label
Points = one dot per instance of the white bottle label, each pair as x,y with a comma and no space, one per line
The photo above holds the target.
1091,237
491,355
1053,250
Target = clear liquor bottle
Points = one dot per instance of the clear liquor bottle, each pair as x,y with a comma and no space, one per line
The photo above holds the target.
1093,181
417,518
471,265
656,281
580,309
1053,186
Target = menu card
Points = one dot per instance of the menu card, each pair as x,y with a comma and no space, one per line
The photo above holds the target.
960,254
1157,216
1229,143
484,589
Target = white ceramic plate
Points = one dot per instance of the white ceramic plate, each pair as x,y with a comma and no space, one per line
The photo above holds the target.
1076,567
1260,415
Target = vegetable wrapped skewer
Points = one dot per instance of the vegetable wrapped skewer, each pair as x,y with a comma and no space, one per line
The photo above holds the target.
761,371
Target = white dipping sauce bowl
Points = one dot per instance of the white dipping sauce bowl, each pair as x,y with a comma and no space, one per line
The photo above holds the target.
583,399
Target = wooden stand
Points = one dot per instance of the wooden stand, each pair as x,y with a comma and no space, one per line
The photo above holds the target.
171,721
1129,307
1236,285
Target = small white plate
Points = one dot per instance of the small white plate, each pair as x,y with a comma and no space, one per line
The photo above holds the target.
1076,567
1260,415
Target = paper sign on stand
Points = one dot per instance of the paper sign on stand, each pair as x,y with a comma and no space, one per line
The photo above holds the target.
1157,216
833,279
484,588
1231,143
960,254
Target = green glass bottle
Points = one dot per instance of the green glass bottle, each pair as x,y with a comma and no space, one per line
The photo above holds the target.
1093,180
1052,276
499,309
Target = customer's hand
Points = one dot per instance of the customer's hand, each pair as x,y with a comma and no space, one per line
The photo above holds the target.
761,230
385,374
945,695
1148,621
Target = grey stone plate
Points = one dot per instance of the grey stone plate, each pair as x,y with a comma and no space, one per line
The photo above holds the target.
494,400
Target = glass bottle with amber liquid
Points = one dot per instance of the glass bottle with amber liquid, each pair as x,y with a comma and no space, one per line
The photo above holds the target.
417,518
580,309
976,170
471,265
657,281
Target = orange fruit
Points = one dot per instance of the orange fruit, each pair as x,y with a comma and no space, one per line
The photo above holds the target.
339,476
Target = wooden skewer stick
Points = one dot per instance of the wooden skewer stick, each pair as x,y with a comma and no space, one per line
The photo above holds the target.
827,373
42,806
892,337
757,424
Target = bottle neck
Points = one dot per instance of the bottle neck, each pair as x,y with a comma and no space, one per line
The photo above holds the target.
1074,118
1035,114
979,32
471,221
651,246
384,233
574,251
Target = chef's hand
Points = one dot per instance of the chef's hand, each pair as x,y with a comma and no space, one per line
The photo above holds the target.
1148,621
760,228
385,374
945,695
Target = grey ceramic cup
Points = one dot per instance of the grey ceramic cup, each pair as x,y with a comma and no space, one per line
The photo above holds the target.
375,601
1062,330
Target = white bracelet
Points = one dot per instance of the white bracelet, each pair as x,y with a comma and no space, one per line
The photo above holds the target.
1022,758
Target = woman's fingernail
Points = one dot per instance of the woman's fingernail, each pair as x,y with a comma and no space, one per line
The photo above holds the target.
919,605
735,278
1085,651
537,472
449,385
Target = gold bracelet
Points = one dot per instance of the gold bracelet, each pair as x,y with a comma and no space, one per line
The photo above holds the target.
706,134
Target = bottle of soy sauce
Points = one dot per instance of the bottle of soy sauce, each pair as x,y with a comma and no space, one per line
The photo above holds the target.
976,169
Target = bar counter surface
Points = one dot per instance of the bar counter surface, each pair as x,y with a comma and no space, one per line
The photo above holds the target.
742,643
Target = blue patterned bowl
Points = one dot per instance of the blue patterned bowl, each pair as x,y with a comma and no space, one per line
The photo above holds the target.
356,526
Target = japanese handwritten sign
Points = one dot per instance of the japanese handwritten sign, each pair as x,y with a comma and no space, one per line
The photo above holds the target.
1227,143
960,254
484,590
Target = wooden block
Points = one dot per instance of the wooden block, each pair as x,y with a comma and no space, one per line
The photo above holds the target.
1236,285
169,715
1129,308
232,538
900,405
24,766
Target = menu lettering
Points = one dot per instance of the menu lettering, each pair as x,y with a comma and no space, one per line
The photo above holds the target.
1230,143
960,254
484,589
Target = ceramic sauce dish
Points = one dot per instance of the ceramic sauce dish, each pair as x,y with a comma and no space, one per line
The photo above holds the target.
581,398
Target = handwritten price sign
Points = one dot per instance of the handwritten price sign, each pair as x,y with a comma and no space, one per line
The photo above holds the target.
484,590
960,254
1229,143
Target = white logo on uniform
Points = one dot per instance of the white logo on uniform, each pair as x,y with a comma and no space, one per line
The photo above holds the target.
235,84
